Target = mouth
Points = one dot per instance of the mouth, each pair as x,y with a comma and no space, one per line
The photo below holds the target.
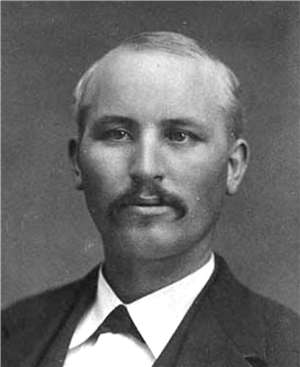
149,209
150,205
147,205
146,201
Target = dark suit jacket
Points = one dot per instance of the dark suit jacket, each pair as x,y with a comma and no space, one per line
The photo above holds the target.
227,326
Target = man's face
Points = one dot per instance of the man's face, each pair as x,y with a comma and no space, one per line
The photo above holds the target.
153,158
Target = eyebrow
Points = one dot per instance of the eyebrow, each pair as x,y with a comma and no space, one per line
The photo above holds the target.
110,119
184,121
187,122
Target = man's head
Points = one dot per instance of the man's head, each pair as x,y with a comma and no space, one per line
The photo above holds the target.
159,146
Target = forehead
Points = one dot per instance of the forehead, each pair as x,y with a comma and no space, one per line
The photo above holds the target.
154,81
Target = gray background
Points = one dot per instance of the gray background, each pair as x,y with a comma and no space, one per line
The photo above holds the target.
47,235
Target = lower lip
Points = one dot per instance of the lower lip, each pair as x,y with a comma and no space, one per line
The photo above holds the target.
149,210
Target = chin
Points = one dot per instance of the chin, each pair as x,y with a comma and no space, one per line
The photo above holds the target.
155,243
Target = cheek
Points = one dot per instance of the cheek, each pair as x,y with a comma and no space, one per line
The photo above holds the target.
204,184
104,173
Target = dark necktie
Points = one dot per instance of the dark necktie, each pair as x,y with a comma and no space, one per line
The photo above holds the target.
118,321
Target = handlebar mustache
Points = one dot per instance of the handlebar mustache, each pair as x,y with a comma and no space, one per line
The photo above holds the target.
134,193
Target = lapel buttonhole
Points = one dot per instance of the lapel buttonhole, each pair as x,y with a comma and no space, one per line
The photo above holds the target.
256,361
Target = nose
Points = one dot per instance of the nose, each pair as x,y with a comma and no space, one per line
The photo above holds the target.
147,160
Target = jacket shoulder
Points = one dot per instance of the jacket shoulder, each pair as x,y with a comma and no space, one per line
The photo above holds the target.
36,311
35,308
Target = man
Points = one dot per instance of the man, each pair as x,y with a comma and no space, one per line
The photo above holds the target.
159,147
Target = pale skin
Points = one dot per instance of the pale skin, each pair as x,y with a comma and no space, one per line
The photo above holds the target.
155,120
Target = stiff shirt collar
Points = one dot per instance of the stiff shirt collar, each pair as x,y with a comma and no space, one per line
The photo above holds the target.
156,315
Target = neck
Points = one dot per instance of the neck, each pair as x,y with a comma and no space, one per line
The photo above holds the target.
132,279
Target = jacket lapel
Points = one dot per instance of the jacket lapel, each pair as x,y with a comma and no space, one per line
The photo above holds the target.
58,345
215,331
32,324
55,314
201,341
207,343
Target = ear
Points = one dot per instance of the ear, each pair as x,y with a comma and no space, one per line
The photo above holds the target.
237,165
74,160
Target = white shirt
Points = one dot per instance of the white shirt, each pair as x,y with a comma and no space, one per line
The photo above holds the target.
156,316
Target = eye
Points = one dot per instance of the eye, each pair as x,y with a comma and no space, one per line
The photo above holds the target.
177,136
117,135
